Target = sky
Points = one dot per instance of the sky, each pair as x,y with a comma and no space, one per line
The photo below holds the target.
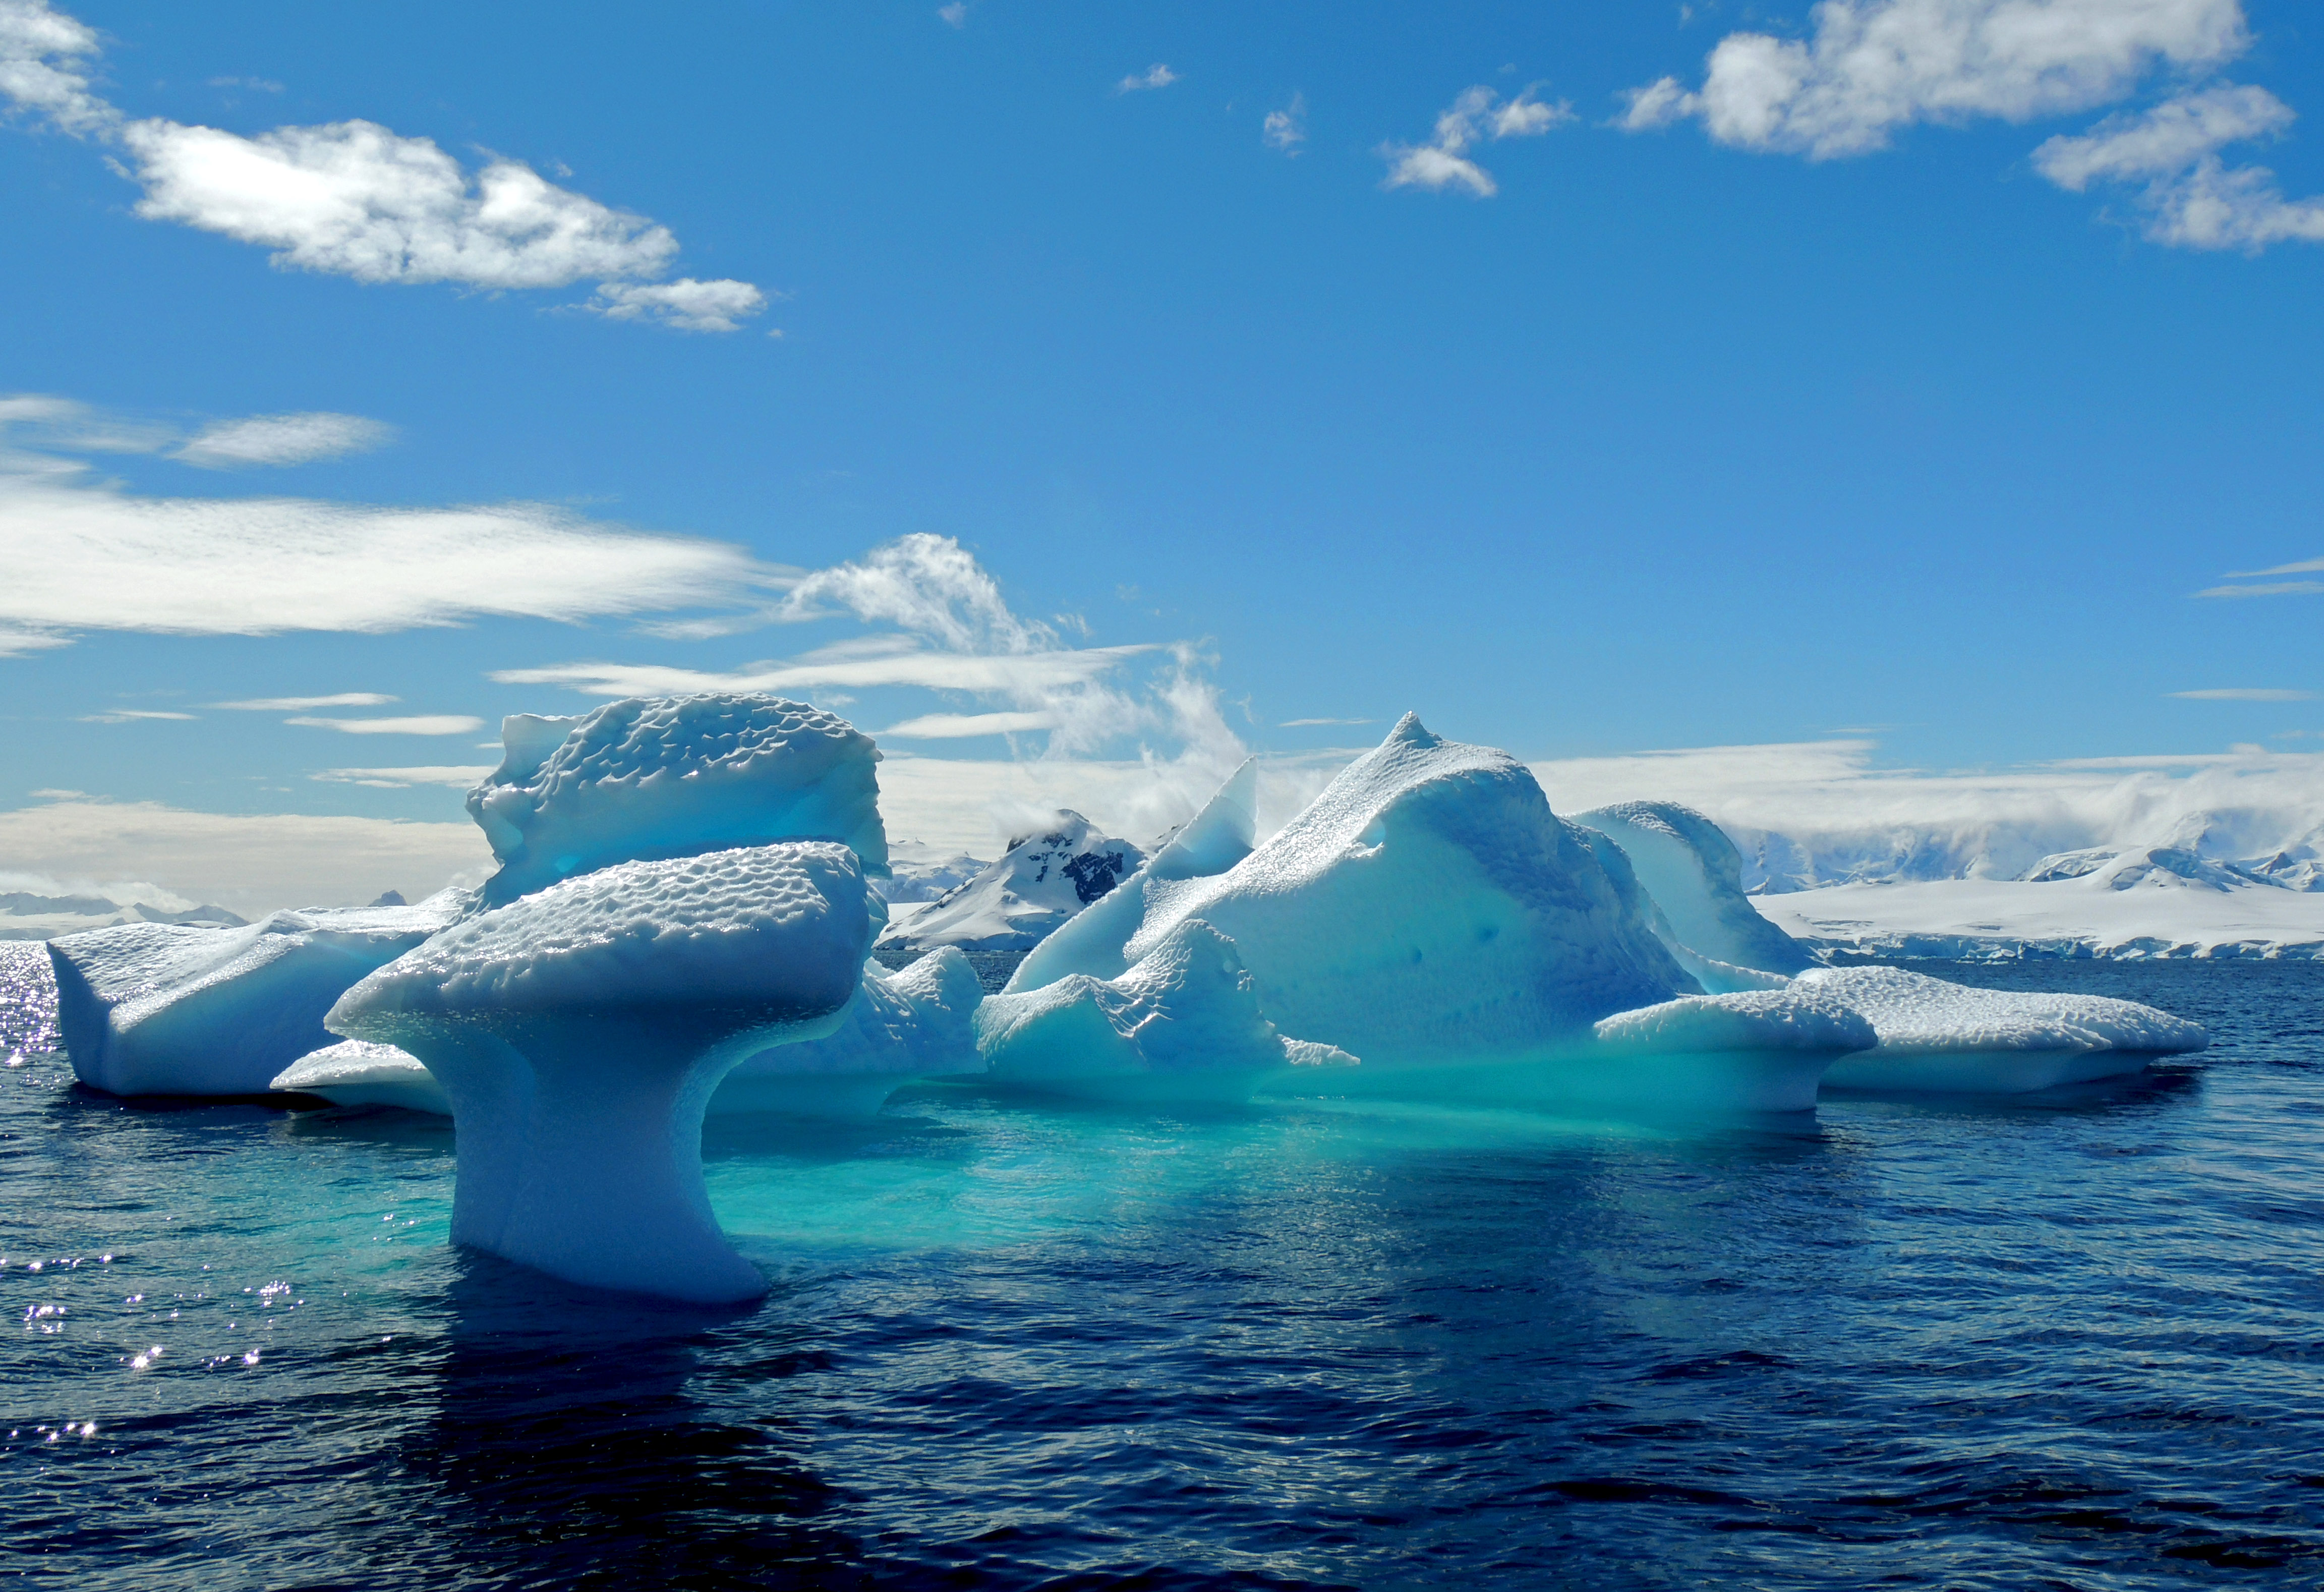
1082,397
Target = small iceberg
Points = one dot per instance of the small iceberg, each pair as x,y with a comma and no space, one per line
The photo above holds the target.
1936,1037
580,1031
916,1022
355,1073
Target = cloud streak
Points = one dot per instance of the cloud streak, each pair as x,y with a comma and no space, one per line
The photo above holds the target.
418,724
282,439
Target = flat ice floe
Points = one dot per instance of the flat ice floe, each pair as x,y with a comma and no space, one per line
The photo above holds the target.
580,1031
1939,1037
169,1009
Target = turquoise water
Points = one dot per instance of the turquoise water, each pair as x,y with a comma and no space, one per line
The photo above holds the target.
2075,1341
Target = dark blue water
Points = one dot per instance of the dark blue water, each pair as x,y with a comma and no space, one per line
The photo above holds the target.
2074,1342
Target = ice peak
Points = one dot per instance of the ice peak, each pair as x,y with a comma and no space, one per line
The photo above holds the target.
1410,732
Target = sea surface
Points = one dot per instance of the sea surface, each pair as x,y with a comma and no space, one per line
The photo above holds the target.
2075,1341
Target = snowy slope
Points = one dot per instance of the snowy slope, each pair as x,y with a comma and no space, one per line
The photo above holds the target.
2127,907
1014,903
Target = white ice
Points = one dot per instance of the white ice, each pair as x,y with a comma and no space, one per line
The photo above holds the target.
166,1009
915,1022
1016,900
355,1072
1185,1021
1426,908
1752,1050
671,776
579,1033
1692,871
1946,1038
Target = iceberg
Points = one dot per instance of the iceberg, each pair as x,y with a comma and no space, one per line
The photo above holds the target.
579,1032
1694,873
916,1022
650,778
1939,1037
1426,909
171,1009
355,1072
1016,900
1184,1022
1747,1051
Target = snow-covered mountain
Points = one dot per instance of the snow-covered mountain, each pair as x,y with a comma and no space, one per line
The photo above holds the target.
1014,903
32,915
921,873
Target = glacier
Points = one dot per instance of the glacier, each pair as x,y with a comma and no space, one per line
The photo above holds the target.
579,1031
1940,1037
174,1009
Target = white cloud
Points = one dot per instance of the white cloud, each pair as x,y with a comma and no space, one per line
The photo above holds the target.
1286,129
847,666
2304,566
1478,113
955,13
87,557
133,716
308,704
354,199
1872,67
2192,199
2271,588
262,85
1156,76
459,776
282,439
250,863
686,304
2242,695
1305,722
418,724
943,727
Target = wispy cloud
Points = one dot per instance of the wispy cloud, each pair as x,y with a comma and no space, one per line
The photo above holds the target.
349,199
1478,114
943,727
1286,129
459,776
2239,694
308,704
2269,587
416,724
1305,722
282,439
91,557
133,716
955,13
2192,198
1156,76
2304,566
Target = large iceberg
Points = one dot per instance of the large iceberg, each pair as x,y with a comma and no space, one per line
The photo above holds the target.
1939,1037
579,1032
1692,871
1016,900
647,778
1427,907
1184,1022
168,1009
916,1022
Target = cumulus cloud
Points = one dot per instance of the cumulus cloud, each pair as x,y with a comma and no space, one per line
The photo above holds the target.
1286,129
1156,76
420,724
1870,67
2192,199
686,304
1478,114
354,199
86,556
282,439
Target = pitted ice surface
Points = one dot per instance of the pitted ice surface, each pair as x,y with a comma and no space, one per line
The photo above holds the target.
1917,1014
650,778
755,926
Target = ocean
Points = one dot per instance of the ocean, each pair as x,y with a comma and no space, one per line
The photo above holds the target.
2071,1341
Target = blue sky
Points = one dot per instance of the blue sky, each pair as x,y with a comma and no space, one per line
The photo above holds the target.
1910,404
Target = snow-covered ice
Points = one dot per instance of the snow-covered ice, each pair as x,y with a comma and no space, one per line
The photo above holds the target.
171,1009
1940,1037
915,1022
1692,871
1751,1050
1016,902
355,1073
1184,1022
579,1032
647,778
1426,908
